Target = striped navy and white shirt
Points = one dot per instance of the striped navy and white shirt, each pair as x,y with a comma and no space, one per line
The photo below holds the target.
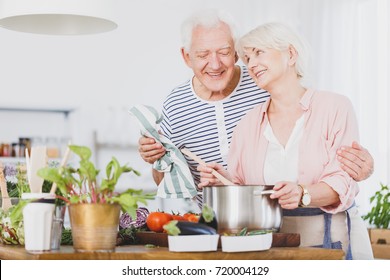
206,127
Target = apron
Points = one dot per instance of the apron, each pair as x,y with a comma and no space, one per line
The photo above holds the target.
302,220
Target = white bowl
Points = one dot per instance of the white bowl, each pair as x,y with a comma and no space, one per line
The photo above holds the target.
246,243
193,243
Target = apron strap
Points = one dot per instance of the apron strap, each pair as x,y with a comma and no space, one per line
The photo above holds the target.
349,251
327,243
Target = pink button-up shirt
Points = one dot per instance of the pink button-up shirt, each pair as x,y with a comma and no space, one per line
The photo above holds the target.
330,122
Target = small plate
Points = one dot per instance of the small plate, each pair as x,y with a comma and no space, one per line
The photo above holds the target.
246,243
193,243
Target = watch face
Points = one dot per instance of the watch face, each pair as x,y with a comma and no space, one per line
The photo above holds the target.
306,199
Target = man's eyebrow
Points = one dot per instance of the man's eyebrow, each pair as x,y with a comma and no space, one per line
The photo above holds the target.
201,51
226,47
206,50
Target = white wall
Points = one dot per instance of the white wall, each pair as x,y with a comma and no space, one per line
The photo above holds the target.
102,75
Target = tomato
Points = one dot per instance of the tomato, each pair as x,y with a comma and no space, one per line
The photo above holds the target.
156,220
178,217
191,217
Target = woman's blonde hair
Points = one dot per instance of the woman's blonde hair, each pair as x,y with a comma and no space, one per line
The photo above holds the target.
275,36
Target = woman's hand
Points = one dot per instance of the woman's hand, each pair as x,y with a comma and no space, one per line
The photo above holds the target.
356,161
288,194
206,176
149,150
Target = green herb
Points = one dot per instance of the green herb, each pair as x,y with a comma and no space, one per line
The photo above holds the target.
243,232
149,246
66,237
259,232
18,183
380,212
128,236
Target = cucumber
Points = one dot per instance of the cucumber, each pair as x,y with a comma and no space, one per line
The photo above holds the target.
190,228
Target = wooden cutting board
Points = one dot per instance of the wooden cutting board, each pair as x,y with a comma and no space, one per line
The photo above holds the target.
161,239
286,239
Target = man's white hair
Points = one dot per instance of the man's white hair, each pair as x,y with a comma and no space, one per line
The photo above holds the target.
206,18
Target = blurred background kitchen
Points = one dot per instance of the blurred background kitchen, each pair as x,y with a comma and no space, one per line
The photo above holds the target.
59,88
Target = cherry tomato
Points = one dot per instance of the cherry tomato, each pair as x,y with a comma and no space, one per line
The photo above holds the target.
156,220
191,217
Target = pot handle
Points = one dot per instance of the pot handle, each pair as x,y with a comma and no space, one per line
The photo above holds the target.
260,193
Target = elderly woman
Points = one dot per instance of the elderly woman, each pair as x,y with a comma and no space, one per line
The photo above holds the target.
291,142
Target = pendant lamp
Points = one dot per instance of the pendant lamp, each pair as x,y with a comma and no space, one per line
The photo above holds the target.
58,17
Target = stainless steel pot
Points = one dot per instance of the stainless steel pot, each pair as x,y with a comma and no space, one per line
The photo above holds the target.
237,207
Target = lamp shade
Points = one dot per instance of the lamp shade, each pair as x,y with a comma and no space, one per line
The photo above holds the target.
58,17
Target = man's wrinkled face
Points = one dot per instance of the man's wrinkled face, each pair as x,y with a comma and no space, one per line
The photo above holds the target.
212,56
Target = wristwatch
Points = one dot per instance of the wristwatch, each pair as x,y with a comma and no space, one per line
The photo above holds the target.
306,197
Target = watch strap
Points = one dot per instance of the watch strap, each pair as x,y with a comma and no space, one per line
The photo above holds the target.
304,192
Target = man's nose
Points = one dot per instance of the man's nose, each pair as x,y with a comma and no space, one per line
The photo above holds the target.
214,61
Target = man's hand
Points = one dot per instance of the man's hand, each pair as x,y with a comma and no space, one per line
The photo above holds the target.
149,150
356,161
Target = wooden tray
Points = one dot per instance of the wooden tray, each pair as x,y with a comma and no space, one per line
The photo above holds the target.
161,239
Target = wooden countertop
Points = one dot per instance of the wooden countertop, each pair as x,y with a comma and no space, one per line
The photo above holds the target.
140,252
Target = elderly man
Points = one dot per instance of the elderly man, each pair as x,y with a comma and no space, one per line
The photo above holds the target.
200,114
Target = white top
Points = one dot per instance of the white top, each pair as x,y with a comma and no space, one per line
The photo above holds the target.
281,163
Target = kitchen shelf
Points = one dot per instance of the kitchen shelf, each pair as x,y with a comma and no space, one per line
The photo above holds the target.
114,146
27,122
64,111
23,160
12,160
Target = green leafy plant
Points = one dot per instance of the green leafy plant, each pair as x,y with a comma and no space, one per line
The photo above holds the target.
380,212
11,220
80,185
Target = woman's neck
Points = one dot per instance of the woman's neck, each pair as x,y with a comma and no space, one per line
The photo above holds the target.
286,97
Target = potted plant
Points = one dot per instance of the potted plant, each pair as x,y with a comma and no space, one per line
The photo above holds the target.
379,217
94,207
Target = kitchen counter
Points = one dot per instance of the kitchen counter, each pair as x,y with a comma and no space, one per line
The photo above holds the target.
140,252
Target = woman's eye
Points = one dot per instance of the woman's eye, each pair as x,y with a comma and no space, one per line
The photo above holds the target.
258,52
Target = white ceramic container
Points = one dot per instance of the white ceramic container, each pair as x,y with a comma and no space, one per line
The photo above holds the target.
246,243
37,219
193,243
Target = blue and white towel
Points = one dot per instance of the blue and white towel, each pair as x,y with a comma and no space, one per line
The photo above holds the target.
178,181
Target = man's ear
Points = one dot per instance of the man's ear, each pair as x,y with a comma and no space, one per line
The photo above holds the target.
235,57
186,57
293,55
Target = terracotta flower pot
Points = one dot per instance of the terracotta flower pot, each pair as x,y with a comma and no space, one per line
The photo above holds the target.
94,226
